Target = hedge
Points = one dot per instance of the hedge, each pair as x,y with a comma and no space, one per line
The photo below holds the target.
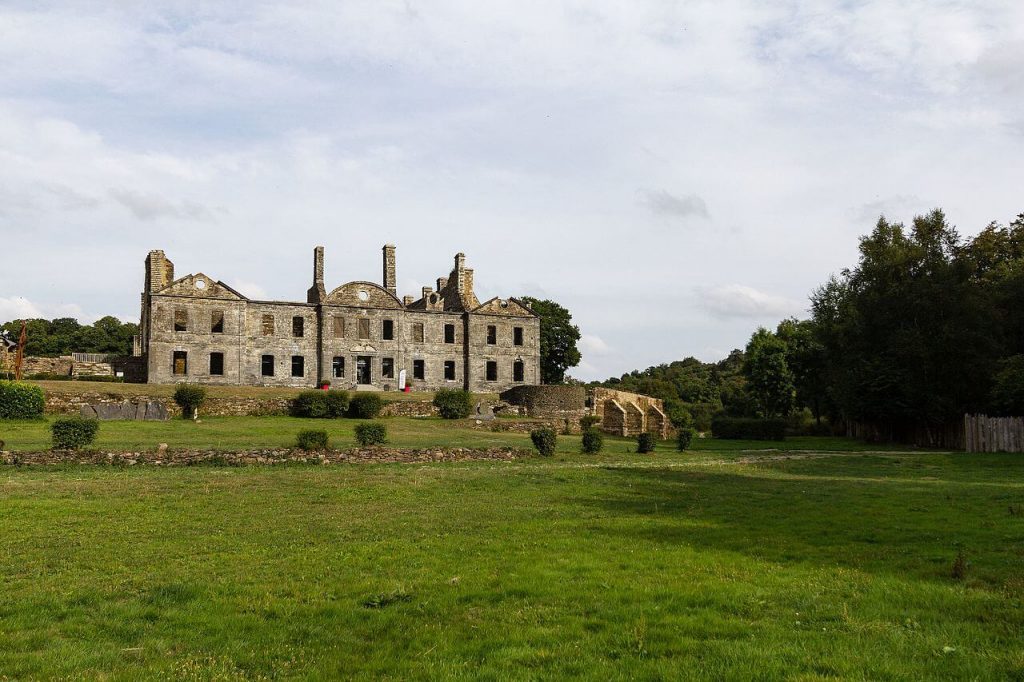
684,438
365,405
544,440
592,441
320,404
189,398
71,433
21,401
645,443
371,433
453,403
748,428
312,439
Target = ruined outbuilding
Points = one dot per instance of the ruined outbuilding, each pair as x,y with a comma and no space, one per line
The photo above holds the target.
360,335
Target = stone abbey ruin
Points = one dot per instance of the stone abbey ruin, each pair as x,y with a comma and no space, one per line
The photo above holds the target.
358,335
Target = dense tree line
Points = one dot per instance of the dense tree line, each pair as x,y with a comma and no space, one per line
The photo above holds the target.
925,327
64,335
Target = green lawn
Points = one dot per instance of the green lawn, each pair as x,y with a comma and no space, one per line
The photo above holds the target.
616,566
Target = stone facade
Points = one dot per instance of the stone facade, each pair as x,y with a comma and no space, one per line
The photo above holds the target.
359,335
620,413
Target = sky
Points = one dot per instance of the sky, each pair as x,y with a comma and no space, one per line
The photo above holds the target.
674,173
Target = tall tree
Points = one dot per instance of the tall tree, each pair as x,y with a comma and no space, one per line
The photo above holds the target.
769,378
558,338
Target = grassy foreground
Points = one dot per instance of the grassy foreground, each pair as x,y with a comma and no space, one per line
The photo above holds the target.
614,566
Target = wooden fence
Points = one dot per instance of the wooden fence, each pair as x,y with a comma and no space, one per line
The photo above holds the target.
993,434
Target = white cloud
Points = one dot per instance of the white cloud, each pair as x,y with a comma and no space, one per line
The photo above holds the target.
737,300
20,308
591,344
249,289
664,203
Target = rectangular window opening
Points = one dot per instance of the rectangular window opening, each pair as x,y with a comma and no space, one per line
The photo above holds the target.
492,370
298,366
387,331
338,367
492,334
217,322
417,332
268,325
179,363
364,327
339,326
267,365
517,336
517,370
449,370
418,369
180,321
449,333
387,368
363,374
216,364
298,326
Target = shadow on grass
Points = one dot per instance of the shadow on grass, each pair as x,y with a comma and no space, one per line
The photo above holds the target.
907,528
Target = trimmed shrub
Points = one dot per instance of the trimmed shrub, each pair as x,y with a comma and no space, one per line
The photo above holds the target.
365,405
21,401
312,439
310,404
593,441
588,421
49,376
684,438
371,433
544,440
189,397
748,428
645,443
453,403
72,433
337,403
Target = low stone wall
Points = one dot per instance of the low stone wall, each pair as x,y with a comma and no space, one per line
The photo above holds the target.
257,457
409,408
559,425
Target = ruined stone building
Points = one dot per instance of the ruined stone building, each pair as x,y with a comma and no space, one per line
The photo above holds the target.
359,335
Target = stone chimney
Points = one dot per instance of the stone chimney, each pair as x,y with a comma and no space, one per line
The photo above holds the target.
317,293
389,269
459,271
442,283
407,300
468,295
159,271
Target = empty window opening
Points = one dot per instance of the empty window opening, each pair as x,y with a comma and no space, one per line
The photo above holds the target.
517,370
298,366
387,330
492,334
298,326
364,327
339,326
387,368
217,322
492,370
449,370
267,365
338,367
268,325
418,369
180,321
417,332
216,364
449,333
517,336
179,362
363,375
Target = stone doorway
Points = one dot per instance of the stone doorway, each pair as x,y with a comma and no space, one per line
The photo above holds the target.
363,375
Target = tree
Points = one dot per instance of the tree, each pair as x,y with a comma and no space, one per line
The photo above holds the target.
769,378
558,337
805,356
1008,387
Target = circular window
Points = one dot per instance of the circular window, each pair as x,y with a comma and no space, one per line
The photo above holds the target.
364,295
200,284
433,298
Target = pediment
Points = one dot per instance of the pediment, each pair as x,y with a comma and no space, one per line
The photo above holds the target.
202,286
363,295
504,306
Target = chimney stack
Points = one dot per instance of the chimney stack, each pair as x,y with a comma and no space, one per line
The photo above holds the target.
317,293
159,271
390,282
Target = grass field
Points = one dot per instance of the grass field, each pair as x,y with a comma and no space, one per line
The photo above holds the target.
616,566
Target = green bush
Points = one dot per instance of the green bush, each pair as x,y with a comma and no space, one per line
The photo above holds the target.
189,397
593,441
312,439
337,403
453,403
371,433
588,421
684,438
748,428
49,376
645,443
365,405
544,440
311,404
103,378
72,433
21,401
